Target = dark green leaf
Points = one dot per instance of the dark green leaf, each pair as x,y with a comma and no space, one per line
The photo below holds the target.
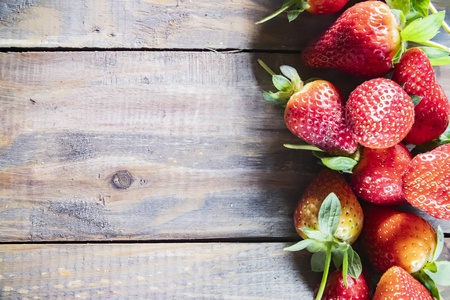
354,263
442,275
339,163
314,234
318,261
329,215
293,14
338,258
423,277
415,99
424,29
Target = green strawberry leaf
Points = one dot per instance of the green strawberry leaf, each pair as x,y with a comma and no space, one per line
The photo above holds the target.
428,282
293,76
415,99
314,234
441,275
293,14
282,83
318,261
354,263
437,56
423,29
439,244
337,163
316,247
278,98
338,258
300,245
329,215
402,5
421,6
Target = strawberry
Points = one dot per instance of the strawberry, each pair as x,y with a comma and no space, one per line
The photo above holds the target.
426,182
317,7
380,113
367,39
363,41
391,237
356,289
396,283
313,111
377,178
329,218
415,73
306,213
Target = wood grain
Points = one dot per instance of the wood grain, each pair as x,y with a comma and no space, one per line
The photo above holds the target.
158,271
154,271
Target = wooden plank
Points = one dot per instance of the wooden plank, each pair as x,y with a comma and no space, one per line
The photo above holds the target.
158,271
202,149
169,24
154,271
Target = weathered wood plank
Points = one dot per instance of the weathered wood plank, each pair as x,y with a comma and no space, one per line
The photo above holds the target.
169,24
158,271
203,150
154,271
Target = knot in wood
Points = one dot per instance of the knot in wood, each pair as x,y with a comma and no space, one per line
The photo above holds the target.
122,179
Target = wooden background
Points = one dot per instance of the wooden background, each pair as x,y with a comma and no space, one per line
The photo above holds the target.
138,159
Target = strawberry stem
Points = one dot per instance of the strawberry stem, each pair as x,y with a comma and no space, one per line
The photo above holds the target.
325,273
282,9
436,45
444,24
266,67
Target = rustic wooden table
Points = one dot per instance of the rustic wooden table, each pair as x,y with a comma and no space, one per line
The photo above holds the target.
138,159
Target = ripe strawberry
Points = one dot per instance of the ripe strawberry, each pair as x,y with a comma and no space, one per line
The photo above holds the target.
396,283
380,113
391,237
317,7
426,182
377,178
306,213
362,41
415,73
329,218
356,289
314,111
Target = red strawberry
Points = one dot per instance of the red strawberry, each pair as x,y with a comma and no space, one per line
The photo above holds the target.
314,111
377,178
317,7
380,113
415,73
356,289
396,283
426,182
391,237
326,182
362,41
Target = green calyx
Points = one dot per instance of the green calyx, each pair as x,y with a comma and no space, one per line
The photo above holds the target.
287,84
435,272
326,248
420,27
296,8
340,163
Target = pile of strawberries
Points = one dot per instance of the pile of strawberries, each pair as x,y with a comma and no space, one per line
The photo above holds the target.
387,144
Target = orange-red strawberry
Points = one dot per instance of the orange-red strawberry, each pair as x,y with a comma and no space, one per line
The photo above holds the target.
314,111
415,73
380,113
363,41
356,289
426,182
377,178
396,283
394,238
306,214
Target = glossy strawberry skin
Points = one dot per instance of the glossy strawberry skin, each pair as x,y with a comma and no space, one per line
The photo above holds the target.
415,73
325,7
426,182
380,113
377,178
307,210
396,283
316,115
394,238
356,289
362,42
